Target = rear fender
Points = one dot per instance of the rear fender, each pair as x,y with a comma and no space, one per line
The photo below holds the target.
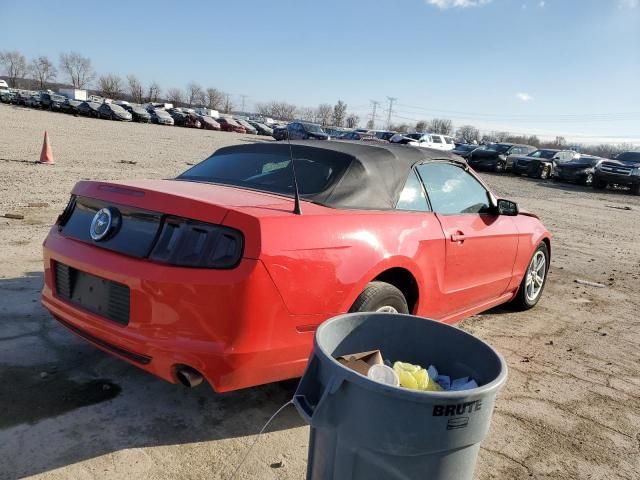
387,264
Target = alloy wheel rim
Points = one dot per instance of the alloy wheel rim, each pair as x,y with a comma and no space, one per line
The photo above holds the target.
535,276
387,309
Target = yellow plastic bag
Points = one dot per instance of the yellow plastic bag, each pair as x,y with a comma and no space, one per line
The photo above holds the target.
415,377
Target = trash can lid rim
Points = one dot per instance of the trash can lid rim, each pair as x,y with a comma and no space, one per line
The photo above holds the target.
366,382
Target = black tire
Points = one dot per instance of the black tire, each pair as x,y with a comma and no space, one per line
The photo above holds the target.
545,172
599,184
521,302
635,189
378,295
500,166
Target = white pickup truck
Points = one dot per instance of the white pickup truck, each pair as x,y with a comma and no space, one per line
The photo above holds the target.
425,140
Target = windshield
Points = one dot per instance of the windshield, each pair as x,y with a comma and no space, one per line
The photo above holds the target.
498,147
310,127
268,172
415,136
543,154
629,157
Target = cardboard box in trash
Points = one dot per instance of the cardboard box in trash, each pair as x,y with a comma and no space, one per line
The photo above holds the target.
361,362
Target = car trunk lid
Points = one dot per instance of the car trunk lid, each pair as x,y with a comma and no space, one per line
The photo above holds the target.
138,208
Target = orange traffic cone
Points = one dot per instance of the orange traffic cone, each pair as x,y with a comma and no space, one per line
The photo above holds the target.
46,156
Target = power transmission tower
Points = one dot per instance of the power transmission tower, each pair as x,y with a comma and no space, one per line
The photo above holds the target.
391,100
375,104
243,98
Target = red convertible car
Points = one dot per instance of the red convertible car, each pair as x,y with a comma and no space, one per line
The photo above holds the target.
224,273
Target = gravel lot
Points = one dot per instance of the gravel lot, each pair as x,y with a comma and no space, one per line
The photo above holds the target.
570,410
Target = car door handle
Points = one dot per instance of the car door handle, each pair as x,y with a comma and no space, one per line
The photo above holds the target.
458,237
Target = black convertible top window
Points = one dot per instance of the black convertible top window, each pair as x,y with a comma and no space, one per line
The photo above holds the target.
335,174
269,172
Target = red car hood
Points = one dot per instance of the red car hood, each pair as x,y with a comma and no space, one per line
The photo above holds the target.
200,201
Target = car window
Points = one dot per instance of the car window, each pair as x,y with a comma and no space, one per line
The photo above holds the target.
449,140
452,190
436,139
269,172
412,196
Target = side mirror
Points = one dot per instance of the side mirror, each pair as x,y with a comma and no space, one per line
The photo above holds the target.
508,208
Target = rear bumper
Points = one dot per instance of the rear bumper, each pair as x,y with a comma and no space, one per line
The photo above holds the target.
230,325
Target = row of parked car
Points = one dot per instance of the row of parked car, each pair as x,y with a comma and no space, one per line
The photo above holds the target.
544,163
563,165
126,112
306,130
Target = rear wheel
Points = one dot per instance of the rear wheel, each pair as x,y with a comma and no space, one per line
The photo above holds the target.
380,297
534,280
599,184
500,166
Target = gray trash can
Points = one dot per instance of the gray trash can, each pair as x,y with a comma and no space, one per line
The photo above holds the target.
364,430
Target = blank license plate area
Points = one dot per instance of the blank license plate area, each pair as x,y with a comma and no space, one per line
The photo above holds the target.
98,295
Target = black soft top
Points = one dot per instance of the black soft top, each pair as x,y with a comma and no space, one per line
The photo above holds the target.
374,175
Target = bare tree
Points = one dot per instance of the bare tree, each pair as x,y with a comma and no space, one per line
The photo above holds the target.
421,126
153,92
227,106
468,134
607,150
42,71
215,98
307,114
175,96
370,124
280,110
441,126
110,85
339,113
194,93
324,112
15,64
560,142
136,90
402,127
77,68
352,120
501,136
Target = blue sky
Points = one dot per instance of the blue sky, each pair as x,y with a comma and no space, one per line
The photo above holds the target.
570,67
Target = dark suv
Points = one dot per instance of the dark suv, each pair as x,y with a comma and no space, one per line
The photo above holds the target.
622,170
494,156
303,131
51,101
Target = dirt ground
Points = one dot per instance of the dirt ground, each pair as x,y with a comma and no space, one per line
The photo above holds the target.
570,410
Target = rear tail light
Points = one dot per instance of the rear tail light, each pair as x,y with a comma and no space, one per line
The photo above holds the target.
189,243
